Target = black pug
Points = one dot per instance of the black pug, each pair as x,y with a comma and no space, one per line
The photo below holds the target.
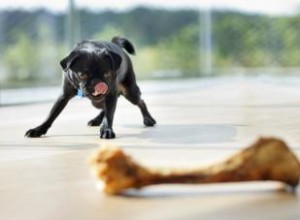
101,71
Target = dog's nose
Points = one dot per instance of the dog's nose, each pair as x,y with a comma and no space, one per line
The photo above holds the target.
100,88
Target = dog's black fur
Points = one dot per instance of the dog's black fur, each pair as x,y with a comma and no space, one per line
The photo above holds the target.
90,63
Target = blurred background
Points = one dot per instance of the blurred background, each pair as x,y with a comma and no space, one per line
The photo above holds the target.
173,39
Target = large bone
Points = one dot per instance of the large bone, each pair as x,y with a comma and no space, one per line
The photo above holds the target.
268,159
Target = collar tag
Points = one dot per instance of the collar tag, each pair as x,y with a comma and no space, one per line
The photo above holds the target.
80,93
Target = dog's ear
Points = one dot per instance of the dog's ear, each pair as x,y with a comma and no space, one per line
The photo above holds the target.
68,60
115,60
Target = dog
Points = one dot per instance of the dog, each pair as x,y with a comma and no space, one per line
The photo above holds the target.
100,71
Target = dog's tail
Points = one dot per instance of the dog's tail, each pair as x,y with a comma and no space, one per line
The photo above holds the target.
124,43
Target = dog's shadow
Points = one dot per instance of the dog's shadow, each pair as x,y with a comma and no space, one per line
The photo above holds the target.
174,133
188,133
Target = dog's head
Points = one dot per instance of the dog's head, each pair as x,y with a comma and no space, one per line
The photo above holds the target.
92,69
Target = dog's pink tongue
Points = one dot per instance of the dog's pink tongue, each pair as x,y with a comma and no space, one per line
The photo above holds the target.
100,88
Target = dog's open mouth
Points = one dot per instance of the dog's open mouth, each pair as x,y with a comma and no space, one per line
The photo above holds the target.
100,88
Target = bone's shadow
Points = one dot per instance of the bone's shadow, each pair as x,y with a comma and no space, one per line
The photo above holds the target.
190,133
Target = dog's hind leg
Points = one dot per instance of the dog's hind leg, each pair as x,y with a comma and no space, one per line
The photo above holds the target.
97,120
133,94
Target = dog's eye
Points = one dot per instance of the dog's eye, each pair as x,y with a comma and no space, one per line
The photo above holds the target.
82,75
107,74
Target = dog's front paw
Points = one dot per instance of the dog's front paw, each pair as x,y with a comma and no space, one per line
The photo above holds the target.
149,121
107,133
36,132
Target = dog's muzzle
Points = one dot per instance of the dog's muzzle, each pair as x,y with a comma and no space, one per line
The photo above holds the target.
100,88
